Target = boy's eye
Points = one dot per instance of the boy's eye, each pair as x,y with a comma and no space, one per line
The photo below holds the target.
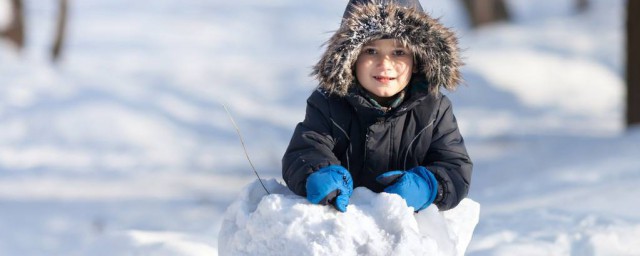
399,52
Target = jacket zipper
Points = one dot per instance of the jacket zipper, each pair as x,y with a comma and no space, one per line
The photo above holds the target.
406,154
348,138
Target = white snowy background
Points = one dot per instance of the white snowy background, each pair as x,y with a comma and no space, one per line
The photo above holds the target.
125,148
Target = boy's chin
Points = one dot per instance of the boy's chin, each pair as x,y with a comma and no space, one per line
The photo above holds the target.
384,94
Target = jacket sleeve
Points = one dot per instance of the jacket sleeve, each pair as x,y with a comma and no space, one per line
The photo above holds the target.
447,158
311,146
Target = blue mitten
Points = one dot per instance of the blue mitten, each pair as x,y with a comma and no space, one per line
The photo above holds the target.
330,185
417,186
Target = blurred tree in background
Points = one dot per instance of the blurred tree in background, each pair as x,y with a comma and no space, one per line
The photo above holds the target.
633,62
482,12
61,25
15,31
582,5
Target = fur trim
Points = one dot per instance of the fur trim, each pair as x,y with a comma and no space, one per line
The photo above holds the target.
435,47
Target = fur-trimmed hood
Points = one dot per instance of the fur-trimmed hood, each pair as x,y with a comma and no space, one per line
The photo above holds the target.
435,47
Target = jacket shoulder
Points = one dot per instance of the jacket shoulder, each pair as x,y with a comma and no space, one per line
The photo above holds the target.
325,101
322,95
443,103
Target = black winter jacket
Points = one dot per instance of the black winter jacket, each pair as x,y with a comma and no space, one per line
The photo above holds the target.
342,127
350,131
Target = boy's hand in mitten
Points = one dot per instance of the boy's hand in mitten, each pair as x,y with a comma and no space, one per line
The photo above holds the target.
330,185
417,186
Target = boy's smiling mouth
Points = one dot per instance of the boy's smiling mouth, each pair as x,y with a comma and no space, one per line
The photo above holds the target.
384,79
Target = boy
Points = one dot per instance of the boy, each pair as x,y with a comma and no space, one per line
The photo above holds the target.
378,118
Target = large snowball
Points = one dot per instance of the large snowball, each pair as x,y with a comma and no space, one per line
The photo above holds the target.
283,223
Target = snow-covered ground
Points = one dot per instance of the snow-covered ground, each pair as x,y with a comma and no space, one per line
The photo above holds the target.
125,148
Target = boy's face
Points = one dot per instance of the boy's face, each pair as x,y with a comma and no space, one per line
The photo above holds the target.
384,67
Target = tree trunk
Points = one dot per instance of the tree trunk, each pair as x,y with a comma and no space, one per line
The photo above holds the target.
482,12
633,62
60,30
15,31
582,5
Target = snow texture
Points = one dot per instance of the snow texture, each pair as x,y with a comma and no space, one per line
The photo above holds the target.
283,223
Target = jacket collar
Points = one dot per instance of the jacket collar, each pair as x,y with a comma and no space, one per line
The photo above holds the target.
368,112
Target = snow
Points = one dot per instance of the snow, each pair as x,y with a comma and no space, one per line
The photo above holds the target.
282,223
124,147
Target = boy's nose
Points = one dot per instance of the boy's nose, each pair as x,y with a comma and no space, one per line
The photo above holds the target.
385,61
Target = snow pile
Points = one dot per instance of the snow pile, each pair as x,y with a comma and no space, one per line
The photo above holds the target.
283,223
